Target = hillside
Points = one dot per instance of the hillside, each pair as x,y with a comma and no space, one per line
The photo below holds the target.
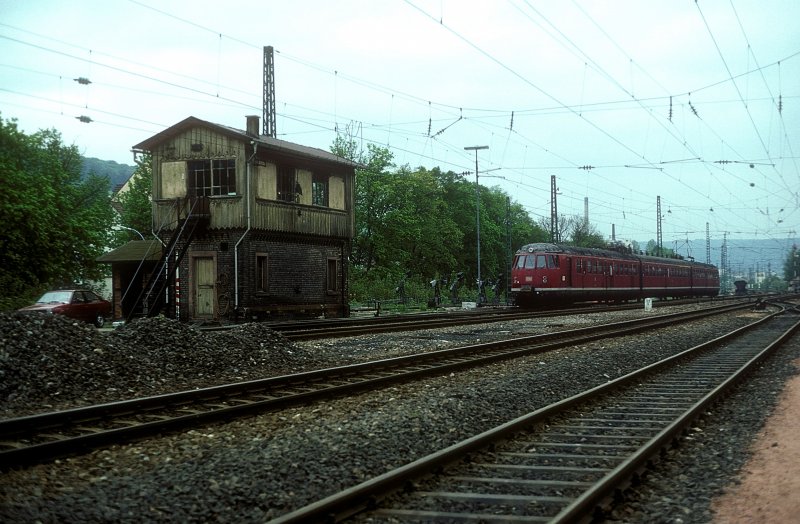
115,172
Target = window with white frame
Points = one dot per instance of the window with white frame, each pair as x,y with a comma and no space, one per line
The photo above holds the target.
211,177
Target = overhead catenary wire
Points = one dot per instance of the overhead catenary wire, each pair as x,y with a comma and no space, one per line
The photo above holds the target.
450,151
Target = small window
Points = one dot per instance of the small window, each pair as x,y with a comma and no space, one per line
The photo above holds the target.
288,189
333,275
262,273
319,190
579,265
552,261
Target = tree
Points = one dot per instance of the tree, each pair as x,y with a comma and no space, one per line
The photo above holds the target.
562,227
584,234
135,203
55,224
774,283
791,266
652,249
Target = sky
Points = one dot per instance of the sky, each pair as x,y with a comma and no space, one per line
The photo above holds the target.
691,104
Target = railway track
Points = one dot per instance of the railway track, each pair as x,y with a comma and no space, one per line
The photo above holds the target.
38,438
564,462
331,328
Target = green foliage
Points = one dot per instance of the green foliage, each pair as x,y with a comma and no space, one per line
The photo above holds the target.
415,225
55,223
652,249
791,266
773,283
584,234
135,204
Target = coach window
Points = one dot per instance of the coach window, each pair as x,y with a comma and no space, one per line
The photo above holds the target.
579,265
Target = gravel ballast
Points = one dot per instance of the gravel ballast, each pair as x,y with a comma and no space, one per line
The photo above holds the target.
258,468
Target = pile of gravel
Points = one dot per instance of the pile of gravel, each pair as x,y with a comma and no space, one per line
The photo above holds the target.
53,362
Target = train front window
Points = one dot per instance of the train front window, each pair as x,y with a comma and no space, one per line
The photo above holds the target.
520,262
541,262
530,262
552,261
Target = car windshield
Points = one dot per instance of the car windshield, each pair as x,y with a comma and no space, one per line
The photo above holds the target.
55,296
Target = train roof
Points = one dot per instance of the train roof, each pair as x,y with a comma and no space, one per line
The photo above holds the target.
606,253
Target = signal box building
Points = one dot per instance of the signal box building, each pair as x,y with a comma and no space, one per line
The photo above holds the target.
252,226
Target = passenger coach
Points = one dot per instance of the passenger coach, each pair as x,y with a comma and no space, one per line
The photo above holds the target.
552,273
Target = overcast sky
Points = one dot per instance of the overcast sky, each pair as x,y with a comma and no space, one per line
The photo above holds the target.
697,103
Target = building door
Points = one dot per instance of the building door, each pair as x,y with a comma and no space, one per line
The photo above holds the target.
204,287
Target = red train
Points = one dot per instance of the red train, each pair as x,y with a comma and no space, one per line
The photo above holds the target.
551,273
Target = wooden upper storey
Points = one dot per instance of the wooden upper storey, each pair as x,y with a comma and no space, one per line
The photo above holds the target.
232,174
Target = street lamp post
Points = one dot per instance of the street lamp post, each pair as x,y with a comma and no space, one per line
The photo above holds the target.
477,212
131,229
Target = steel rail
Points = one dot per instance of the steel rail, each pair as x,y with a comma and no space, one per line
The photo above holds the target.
41,437
370,494
343,327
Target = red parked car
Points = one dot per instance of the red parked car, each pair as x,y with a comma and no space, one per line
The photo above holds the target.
80,304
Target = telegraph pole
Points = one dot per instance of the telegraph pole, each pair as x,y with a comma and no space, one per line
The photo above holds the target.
269,92
477,211
554,235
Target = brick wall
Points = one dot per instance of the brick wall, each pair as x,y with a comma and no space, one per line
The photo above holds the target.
297,272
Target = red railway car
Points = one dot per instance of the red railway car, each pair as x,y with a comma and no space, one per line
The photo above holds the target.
551,273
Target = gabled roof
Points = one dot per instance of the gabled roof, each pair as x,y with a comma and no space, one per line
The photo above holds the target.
263,141
134,251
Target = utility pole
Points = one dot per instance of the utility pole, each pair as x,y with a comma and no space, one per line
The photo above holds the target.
477,212
269,92
659,238
724,263
554,236
507,277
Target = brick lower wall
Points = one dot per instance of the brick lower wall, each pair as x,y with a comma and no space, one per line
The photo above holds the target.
297,274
